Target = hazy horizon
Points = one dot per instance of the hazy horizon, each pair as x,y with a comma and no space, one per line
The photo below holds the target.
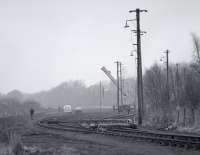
45,43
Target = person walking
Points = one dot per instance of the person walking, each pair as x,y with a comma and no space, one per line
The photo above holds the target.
31,113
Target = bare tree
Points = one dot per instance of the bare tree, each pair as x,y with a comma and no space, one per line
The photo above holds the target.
156,93
184,86
192,87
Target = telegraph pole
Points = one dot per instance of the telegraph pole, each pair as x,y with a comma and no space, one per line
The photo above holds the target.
100,96
178,92
184,110
139,67
117,62
121,83
167,67
177,81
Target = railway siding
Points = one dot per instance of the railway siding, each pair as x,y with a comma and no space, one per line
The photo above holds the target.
161,138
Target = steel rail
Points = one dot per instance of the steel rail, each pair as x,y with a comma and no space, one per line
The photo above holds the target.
177,140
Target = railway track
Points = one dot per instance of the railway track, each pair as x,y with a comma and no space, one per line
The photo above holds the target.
162,138
179,140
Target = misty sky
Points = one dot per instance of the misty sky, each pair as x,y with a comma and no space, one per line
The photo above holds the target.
46,42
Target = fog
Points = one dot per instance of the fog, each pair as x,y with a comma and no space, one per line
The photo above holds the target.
43,43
